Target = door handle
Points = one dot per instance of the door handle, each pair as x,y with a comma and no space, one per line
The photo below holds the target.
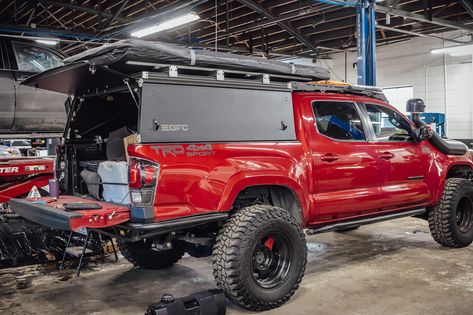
386,155
329,157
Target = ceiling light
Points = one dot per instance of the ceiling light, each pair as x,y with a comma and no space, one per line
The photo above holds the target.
51,42
461,50
178,21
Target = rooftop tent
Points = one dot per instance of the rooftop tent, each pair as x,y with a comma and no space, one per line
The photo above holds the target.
159,52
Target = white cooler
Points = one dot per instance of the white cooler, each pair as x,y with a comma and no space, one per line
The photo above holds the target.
116,173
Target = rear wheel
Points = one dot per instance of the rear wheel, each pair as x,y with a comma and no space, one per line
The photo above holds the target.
145,254
451,220
260,256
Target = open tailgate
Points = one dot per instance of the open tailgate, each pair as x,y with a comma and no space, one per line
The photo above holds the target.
49,212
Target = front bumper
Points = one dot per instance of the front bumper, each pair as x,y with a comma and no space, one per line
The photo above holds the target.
48,212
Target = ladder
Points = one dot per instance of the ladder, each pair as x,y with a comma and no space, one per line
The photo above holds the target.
81,251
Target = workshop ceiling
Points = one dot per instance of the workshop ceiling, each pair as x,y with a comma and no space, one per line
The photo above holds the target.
272,27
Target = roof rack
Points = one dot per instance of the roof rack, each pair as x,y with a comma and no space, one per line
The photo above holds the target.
338,87
204,76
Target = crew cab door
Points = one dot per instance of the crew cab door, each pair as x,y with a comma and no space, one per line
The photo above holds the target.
403,162
346,165
35,110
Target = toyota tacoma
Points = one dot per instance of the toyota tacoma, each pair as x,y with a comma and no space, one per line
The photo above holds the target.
172,150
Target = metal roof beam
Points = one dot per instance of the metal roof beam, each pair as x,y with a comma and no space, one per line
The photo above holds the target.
79,8
287,27
400,30
467,5
117,13
421,18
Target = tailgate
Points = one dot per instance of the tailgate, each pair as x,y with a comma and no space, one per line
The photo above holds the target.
50,212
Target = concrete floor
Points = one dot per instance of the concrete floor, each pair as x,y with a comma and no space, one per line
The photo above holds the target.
387,268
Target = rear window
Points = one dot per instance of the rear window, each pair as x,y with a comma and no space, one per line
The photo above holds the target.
338,120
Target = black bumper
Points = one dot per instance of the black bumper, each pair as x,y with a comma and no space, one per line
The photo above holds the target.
43,214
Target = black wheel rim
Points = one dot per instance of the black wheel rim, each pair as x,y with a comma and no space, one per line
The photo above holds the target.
465,214
271,260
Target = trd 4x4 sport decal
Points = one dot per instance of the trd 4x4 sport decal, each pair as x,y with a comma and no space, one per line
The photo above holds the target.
190,150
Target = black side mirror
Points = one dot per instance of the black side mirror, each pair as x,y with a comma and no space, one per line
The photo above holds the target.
423,133
415,105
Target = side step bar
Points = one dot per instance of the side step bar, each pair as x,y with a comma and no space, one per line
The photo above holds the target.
364,221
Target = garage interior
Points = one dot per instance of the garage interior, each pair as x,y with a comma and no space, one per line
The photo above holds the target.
420,49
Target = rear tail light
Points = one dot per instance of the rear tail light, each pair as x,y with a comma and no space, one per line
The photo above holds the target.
143,179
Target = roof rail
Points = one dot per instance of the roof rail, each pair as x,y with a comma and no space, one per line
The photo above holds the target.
174,70
195,75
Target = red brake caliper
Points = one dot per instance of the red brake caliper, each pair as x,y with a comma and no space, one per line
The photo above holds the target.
269,243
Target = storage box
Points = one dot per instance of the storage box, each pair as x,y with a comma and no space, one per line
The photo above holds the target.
131,139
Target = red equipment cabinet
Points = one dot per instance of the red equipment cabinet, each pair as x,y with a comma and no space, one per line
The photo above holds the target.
19,174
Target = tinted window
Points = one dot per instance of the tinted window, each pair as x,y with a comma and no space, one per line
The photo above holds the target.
388,124
35,59
338,120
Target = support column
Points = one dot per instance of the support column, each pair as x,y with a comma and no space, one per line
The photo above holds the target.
366,42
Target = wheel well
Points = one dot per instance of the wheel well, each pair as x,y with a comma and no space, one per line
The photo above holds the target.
461,171
279,196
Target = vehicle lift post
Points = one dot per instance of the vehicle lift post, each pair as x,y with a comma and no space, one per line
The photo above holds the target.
366,38
366,43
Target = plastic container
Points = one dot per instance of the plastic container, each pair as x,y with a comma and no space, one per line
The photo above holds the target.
115,178
53,188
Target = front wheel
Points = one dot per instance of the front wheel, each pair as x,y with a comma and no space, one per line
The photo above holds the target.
451,220
260,256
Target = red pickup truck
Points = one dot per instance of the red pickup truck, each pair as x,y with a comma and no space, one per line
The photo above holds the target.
242,167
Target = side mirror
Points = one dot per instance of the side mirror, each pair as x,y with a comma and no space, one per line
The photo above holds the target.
415,105
424,133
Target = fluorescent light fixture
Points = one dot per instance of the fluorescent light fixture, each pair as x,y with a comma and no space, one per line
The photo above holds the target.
50,42
455,51
178,21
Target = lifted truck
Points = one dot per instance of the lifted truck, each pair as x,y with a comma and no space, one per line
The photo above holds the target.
237,164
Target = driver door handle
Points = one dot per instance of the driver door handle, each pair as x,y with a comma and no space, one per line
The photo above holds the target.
386,155
329,157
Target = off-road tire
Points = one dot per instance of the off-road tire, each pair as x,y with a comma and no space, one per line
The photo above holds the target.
140,254
233,256
457,198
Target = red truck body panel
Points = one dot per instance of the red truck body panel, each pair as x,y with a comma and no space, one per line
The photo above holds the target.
360,183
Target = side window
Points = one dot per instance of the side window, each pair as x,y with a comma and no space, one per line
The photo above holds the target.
35,59
388,124
338,120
